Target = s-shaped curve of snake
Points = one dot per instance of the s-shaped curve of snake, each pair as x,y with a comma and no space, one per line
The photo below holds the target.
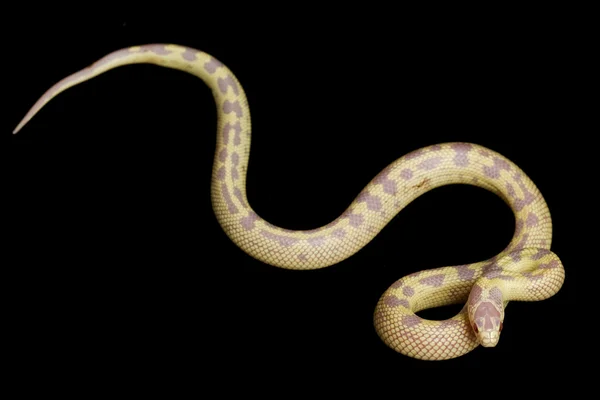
526,270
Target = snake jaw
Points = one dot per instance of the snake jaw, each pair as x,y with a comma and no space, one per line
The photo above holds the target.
489,338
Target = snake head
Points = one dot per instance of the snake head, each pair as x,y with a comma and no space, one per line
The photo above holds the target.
487,324
486,315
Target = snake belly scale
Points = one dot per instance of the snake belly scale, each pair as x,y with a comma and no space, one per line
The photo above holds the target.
526,270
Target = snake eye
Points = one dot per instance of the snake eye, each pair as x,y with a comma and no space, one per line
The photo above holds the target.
501,326
475,328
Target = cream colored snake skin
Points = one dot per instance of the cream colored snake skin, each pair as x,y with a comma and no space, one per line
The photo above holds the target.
526,270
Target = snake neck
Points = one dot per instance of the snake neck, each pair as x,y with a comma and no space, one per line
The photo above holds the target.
529,274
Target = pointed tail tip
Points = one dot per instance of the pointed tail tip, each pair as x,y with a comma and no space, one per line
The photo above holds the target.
18,127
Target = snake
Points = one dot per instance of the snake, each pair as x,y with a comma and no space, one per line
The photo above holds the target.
526,270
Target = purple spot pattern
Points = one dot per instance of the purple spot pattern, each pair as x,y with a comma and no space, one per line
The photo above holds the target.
397,284
511,190
518,177
490,267
339,233
414,154
221,174
532,219
237,127
406,174
549,265
540,254
436,147
516,256
528,196
494,170
356,220
492,271
229,107
496,296
373,202
223,155
248,221
189,54
496,273
475,295
521,244
408,291
532,277
484,153
302,257
393,301
411,320
238,193
212,65
224,83
282,240
518,226
461,149
316,241
404,303
389,186
234,174
430,163
235,159
156,49
464,273
226,130
434,280
230,205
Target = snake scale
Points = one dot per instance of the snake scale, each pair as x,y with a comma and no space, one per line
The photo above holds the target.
526,270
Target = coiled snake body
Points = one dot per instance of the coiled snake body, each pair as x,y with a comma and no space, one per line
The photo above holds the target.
526,270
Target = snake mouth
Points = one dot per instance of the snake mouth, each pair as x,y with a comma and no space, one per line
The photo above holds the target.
489,338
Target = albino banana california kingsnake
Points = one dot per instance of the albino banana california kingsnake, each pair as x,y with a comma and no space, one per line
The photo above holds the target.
526,270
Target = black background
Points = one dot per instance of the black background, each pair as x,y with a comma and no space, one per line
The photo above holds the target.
120,260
